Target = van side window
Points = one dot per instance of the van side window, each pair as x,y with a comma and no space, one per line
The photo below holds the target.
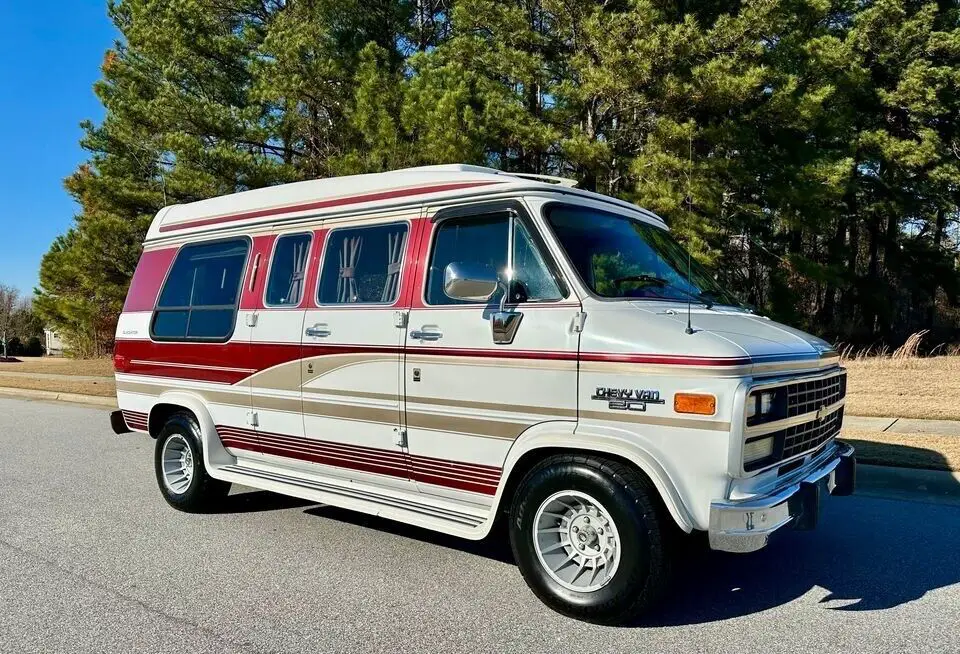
200,297
287,270
362,265
473,239
529,268
485,240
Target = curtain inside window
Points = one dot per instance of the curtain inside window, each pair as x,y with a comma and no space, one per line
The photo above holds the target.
395,243
299,269
347,283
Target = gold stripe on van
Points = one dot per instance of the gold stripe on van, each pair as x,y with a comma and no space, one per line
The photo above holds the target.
658,421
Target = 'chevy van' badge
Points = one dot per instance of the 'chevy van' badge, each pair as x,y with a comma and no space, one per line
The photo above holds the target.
627,399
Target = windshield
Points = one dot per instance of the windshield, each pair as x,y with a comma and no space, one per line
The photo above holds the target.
619,257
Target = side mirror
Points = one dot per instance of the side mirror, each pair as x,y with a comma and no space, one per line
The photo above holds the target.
470,281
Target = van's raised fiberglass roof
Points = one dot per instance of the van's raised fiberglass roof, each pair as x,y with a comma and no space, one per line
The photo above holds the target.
360,192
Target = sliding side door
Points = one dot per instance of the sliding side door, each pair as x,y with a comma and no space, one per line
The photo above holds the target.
351,343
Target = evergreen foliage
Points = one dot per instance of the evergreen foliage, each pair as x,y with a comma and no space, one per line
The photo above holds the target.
808,151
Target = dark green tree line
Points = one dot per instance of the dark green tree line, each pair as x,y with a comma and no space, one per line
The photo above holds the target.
808,151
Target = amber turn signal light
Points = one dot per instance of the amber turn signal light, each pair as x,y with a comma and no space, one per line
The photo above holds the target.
699,403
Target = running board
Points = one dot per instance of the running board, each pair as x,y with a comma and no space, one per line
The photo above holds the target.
425,515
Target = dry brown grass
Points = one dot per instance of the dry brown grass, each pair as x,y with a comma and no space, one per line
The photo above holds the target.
904,388
928,451
61,366
105,388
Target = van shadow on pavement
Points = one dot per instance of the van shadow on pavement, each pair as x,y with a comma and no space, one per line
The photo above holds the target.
257,501
865,554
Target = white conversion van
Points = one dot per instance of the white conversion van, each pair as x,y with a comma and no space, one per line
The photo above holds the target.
447,345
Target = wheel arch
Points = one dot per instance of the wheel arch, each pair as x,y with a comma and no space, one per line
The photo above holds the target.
171,402
546,439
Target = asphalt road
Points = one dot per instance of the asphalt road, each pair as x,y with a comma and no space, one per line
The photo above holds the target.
93,560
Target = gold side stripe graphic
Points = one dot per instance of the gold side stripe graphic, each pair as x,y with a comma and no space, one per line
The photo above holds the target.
487,427
658,421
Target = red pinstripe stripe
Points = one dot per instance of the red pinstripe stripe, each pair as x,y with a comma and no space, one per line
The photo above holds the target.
135,419
472,477
155,358
324,204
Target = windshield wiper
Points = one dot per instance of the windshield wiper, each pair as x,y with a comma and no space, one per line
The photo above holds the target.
663,283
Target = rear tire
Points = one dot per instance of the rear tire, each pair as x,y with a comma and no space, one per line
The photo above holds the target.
588,534
178,462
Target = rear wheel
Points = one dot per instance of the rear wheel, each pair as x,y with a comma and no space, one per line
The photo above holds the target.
588,536
178,461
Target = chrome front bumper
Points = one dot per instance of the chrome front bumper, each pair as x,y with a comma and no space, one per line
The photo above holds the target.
747,526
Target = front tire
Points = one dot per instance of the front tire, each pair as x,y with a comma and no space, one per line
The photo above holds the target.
588,534
178,462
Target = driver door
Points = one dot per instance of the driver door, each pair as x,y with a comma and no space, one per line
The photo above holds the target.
467,397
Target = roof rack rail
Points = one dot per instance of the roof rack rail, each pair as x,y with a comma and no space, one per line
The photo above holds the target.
552,179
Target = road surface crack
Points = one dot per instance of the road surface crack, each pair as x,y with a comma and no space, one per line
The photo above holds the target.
179,620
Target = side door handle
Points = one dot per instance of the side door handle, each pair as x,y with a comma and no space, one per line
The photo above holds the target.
320,329
427,333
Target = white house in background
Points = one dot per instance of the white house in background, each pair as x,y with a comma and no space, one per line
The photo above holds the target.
52,342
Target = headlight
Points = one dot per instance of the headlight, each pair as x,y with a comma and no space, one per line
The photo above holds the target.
758,449
766,406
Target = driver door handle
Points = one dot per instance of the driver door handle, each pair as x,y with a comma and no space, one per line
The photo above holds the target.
427,333
320,329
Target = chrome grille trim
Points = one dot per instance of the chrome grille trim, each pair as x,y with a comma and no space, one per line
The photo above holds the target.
814,417
806,396
810,435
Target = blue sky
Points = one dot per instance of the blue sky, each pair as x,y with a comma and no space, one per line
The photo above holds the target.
50,55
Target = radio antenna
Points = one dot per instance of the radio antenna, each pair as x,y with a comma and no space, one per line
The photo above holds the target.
689,329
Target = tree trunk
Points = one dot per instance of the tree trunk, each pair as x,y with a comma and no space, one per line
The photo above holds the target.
835,259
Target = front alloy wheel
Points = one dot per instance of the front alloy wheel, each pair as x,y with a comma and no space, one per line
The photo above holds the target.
589,536
577,541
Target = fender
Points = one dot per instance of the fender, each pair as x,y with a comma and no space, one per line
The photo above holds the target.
595,438
214,454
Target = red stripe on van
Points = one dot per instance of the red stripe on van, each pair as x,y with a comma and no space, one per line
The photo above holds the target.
147,279
460,475
324,204
665,359
313,269
234,361
251,298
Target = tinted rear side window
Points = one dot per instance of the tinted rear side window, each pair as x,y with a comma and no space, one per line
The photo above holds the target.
200,297
287,271
362,265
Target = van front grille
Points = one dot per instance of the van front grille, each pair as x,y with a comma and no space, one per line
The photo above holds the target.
806,396
810,435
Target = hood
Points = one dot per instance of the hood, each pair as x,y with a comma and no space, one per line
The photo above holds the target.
657,331
758,337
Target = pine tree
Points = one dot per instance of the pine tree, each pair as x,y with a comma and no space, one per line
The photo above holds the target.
806,150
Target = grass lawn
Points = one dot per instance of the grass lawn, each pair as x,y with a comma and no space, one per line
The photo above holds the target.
105,388
908,388
60,366
928,451
885,387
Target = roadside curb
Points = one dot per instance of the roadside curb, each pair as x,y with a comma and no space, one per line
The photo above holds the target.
887,482
31,394
903,425
908,484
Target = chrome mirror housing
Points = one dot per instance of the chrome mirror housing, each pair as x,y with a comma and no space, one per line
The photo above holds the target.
470,281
